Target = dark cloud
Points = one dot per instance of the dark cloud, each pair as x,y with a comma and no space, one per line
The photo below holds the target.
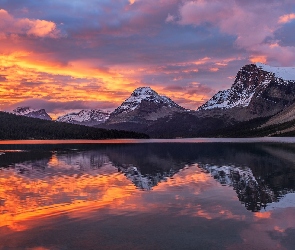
57,107
29,83
2,78
285,35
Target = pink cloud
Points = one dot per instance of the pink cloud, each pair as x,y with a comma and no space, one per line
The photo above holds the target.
198,12
169,18
287,18
252,25
10,25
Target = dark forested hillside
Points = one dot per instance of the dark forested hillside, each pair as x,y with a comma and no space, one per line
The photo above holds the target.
13,127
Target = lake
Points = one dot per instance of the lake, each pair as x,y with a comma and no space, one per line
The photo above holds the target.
148,194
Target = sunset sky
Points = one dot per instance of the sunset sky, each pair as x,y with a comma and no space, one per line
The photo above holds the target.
74,54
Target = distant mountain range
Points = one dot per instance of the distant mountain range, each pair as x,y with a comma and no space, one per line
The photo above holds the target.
33,113
89,117
260,102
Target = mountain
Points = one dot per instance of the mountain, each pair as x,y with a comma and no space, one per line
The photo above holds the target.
142,106
33,113
89,117
258,91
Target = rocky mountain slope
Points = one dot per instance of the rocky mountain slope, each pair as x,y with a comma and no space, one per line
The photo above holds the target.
33,113
89,117
286,115
258,91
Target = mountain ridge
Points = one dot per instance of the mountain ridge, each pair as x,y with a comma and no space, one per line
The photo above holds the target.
33,113
88,117
259,101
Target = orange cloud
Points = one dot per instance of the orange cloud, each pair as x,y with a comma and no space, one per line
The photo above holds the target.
214,69
262,215
132,1
286,18
256,59
274,45
29,76
19,26
202,61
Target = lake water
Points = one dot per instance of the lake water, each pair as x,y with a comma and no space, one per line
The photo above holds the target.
130,194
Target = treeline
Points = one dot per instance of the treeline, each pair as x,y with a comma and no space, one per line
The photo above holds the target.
13,127
253,128
188,125
250,128
179,125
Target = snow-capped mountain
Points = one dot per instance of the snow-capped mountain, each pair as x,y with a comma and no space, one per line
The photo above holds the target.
33,113
144,94
89,117
144,104
258,87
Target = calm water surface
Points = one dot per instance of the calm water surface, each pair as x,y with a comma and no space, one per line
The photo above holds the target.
156,195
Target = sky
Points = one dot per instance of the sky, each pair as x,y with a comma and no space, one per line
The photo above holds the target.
76,54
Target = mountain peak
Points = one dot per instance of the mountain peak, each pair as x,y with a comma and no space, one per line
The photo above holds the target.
144,91
144,94
34,113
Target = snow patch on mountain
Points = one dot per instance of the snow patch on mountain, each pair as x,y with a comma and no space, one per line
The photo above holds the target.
286,73
222,99
23,110
91,116
144,94
229,98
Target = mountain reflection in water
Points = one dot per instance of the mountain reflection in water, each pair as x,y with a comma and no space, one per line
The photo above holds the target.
41,181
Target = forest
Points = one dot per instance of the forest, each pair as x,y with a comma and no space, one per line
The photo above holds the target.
13,127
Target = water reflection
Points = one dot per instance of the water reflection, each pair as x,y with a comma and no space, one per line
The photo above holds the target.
201,181
259,173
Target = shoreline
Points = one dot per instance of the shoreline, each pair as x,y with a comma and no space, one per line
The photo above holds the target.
135,141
